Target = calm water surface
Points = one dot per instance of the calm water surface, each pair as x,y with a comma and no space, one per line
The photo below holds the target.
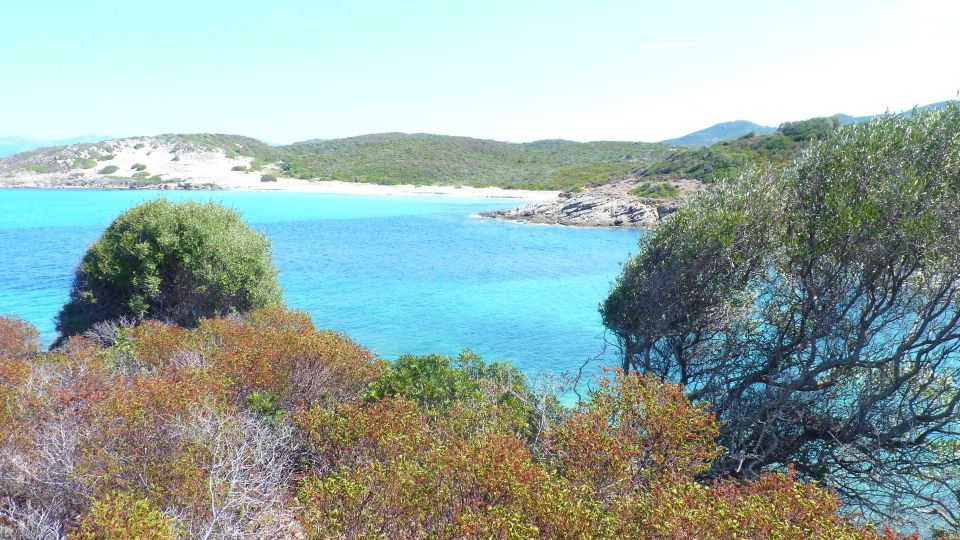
399,274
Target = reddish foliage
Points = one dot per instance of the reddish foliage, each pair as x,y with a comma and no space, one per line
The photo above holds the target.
132,444
18,338
161,345
282,354
155,414
13,373
634,431
625,468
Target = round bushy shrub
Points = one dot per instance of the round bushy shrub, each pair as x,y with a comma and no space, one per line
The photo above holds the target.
174,262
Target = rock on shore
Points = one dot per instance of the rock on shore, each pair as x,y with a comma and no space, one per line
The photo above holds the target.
605,206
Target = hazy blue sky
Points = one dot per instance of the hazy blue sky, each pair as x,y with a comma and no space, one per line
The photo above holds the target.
286,70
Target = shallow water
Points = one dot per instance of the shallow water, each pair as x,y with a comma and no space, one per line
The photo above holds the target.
399,274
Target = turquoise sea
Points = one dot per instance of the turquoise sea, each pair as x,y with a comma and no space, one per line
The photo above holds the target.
399,274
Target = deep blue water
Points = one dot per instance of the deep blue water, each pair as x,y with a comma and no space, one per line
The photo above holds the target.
398,274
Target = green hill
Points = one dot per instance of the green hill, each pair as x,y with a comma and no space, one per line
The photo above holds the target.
390,158
425,159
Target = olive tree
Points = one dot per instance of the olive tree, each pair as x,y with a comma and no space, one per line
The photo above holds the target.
815,308
174,262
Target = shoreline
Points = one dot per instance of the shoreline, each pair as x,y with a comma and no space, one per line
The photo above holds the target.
292,185
160,164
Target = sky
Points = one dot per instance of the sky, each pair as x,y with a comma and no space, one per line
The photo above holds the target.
515,70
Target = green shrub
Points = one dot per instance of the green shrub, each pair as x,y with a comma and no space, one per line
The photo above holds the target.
125,515
659,190
138,167
437,382
106,157
84,163
143,179
175,262
257,164
138,146
814,129
268,178
238,168
266,405
109,169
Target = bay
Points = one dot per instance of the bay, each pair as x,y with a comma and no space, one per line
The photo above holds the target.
398,274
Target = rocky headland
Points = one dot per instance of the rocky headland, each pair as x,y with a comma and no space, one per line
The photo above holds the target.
611,205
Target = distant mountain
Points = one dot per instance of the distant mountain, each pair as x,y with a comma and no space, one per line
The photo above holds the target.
728,131
14,145
846,119
721,132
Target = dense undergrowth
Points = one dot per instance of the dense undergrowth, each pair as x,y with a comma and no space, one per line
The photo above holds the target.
264,427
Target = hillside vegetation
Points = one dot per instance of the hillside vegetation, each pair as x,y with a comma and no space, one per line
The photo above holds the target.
204,161
390,158
729,157
413,159
424,159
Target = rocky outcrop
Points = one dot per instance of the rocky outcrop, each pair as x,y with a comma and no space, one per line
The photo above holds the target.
607,206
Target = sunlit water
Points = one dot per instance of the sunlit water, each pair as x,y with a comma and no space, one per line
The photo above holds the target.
398,274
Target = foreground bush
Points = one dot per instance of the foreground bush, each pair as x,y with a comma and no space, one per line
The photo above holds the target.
160,431
440,383
120,515
174,262
18,339
622,466
263,427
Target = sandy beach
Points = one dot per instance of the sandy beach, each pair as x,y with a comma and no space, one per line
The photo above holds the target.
361,188
190,168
